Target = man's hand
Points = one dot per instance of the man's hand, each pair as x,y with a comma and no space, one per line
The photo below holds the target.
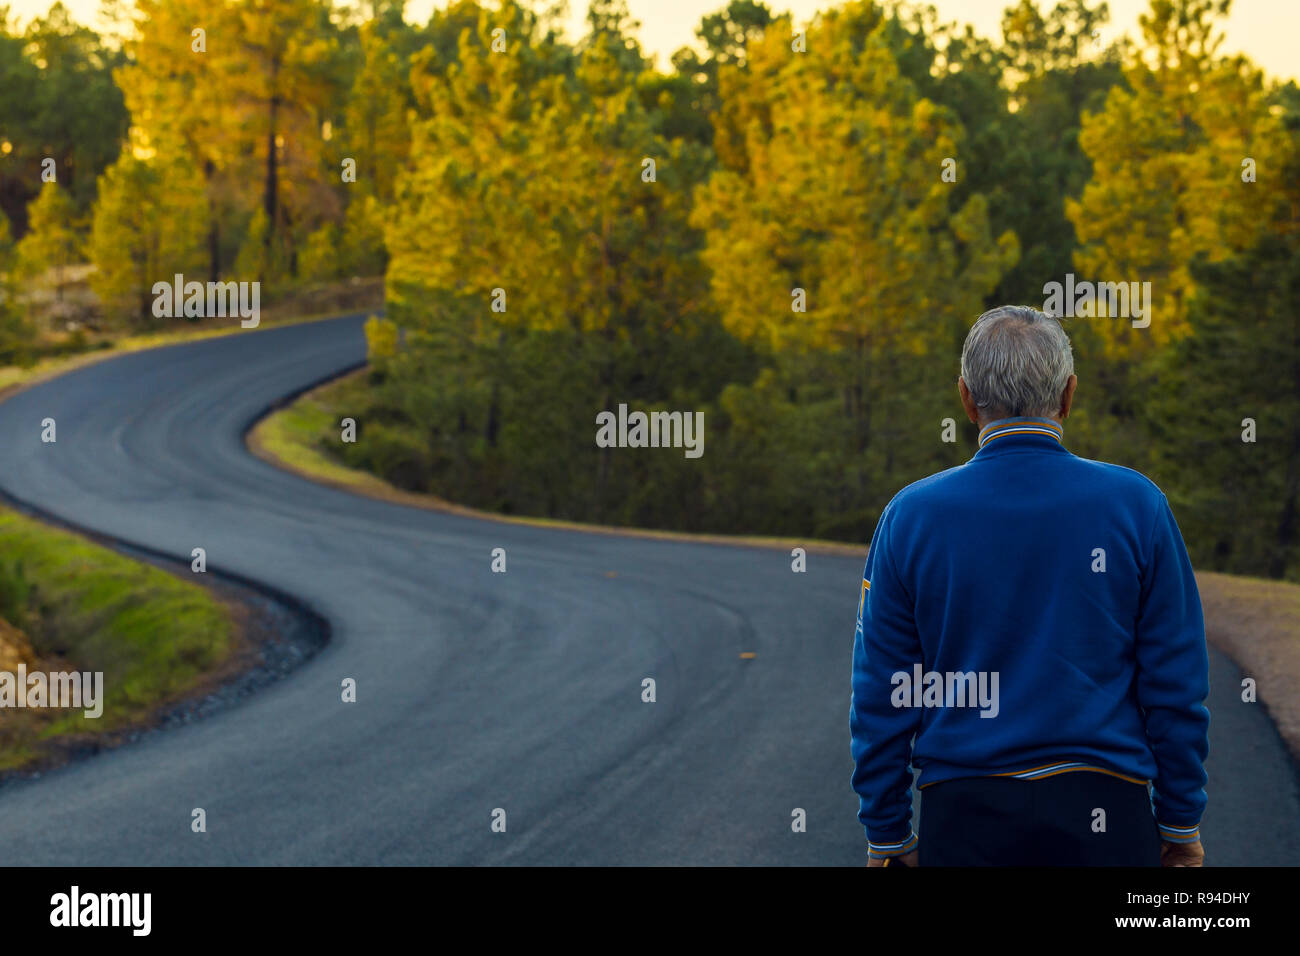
1182,854
907,859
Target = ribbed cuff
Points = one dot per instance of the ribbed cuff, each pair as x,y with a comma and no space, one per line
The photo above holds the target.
1179,834
898,848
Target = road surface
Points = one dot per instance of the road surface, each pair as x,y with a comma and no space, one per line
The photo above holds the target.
476,691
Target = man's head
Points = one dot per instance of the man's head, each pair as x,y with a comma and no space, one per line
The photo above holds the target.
1016,363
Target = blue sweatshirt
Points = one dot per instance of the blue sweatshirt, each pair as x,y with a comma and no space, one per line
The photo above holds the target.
1025,614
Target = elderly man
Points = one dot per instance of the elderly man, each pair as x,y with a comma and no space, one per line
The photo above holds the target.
1030,639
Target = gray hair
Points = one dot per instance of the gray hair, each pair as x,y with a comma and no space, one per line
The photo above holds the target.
1016,362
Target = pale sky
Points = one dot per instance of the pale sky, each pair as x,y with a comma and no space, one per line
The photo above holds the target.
1266,30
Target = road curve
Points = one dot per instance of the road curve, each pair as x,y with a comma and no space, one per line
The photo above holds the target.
476,691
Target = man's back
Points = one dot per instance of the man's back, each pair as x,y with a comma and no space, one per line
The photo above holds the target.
1032,613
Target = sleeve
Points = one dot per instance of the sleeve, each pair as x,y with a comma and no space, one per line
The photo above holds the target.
1173,680
886,643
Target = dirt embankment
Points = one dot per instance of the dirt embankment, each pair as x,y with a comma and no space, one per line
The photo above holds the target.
1256,622
14,648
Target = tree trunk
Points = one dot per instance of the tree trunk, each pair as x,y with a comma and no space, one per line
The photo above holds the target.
270,198
214,227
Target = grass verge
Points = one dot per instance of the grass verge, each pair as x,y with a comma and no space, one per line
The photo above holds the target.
69,604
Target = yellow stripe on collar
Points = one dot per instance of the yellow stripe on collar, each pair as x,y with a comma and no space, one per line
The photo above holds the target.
1021,426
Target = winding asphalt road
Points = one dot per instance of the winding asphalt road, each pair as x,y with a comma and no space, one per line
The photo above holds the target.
476,691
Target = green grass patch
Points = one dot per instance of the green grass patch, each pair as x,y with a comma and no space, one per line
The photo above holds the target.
299,436
86,608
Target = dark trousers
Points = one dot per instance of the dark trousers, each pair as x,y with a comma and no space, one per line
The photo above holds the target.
1001,821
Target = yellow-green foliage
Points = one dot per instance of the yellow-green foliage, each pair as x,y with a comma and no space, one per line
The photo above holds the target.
837,192
148,226
51,241
1166,155
381,338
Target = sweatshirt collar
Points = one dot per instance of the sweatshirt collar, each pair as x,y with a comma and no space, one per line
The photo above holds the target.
1044,428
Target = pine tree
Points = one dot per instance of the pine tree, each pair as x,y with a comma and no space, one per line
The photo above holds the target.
832,185
148,226
175,98
17,334
1225,422
1234,378
276,85
1167,156
52,243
